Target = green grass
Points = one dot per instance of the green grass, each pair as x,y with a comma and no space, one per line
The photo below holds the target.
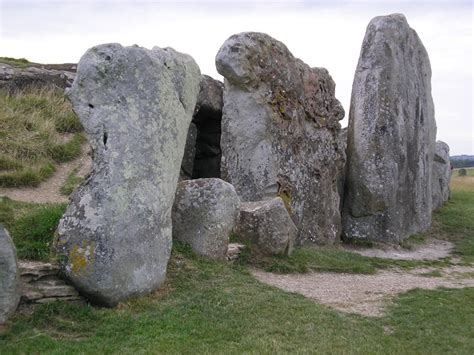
456,222
215,307
332,259
71,182
31,226
16,62
212,307
33,129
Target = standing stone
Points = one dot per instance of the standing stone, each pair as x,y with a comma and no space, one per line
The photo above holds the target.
136,105
280,129
9,277
391,136
205,212
268,225
441,175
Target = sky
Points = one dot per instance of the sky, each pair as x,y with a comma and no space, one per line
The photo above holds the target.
322,33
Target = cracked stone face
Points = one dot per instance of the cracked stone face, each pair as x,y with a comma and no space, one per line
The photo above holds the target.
136,105
280,129
391,136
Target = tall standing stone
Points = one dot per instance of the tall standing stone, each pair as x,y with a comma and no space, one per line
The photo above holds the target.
280,129
9,277
136,105
441,175
391,136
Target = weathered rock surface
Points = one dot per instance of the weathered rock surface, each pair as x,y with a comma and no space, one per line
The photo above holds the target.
40,283
280,129
17,79
268,225
136,106
341,178
187,163
441,175
391,136
204,213
202,155
9,277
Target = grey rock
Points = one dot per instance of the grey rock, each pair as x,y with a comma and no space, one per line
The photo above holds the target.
204,214
136,106
441,175
391,139
268,225
189,153
41,283
280,129
18,79
9,277
341,178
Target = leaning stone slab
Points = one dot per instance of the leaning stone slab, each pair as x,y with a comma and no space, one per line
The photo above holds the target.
280,129
391,136
9,277
136,106
205,212
268,225
441,175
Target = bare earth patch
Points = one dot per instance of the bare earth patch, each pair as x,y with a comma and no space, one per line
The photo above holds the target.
431,250
367,295
48,191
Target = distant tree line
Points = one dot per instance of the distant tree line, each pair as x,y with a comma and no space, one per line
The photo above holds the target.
462,163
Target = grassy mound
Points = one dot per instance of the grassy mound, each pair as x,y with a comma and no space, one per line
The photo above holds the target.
31,226
38,129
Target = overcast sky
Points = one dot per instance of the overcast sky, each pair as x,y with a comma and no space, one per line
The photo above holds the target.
322,33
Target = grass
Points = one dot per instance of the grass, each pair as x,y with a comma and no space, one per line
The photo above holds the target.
213,307
71,182
455,221
16,62
38,129
31,226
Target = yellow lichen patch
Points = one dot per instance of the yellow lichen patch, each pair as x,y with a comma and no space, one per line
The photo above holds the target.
286,197
80,257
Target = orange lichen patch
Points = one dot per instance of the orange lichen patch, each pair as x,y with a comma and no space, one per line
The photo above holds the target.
80,257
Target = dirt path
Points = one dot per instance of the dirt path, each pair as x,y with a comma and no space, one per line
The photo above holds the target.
48,191
365,294
431,250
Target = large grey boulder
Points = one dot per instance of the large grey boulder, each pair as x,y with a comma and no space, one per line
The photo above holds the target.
9,277
441,175
267,224
391,136
205,212
280,129
136,105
